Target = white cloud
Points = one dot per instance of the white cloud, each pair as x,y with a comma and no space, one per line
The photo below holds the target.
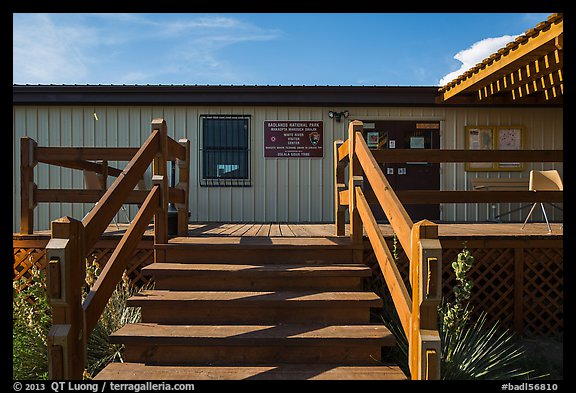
475,54
125,48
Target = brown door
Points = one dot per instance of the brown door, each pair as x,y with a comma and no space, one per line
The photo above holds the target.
403,134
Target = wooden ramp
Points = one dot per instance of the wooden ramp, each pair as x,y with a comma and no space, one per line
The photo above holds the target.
266,308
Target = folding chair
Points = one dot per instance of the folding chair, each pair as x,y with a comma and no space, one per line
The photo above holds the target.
544,181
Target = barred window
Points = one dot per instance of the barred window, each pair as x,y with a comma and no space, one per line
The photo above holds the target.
225,150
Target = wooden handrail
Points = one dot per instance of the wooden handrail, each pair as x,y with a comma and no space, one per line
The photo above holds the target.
85,165
463,155
395,212
112,272
73,321
438,196
97,220
175,150
390,271
82,158
176,195
417,313
47,154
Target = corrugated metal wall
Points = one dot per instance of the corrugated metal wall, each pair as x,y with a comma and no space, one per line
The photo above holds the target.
283,189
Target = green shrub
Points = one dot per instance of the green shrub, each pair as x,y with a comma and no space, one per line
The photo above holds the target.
32,319
471,349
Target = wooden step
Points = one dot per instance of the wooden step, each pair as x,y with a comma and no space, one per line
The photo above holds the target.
261,277
138,371
192,307
292,334
252,344
256,250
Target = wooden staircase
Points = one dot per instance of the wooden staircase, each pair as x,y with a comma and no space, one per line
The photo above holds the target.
254,308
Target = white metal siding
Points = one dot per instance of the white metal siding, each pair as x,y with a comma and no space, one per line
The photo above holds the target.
283,189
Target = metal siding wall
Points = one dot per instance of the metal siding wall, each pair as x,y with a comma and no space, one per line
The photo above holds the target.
283,189
543,129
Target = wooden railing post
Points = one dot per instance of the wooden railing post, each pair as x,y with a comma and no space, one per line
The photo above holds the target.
184,184
355,180
28,201
66,275
426,281
160,178
339,185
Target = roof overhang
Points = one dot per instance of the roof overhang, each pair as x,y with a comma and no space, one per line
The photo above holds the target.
526,71
223,95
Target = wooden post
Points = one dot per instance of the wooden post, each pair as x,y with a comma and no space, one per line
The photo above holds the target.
518,289
66,274
355,180
160,178
424,349
184,184
103,177
27,186
339,185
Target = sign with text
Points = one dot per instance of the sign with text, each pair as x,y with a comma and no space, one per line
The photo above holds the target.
293,138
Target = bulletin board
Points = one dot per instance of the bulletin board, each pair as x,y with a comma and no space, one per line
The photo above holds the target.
494,138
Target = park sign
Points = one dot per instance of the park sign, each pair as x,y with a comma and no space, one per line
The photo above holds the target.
293,139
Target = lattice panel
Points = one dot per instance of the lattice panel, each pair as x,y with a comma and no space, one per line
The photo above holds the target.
493,278
24,260
543,300
493,275
140,258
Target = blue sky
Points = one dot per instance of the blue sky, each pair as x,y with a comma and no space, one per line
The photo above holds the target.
258,49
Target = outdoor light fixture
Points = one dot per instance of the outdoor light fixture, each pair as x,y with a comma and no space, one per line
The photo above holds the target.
338,115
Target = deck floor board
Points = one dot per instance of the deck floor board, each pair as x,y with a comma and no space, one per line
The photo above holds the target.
289,230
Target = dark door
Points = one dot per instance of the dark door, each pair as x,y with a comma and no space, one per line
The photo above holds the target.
409,175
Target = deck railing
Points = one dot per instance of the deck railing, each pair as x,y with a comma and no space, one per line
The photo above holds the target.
417,310
455,156
94,159
72,318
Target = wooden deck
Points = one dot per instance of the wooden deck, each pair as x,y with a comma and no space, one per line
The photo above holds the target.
271,230
327,230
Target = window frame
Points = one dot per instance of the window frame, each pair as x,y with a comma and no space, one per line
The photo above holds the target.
224,182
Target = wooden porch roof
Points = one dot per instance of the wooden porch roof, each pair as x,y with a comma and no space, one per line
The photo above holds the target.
525,71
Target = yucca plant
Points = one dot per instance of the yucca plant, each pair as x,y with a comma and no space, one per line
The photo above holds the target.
480,351
115,315
471,349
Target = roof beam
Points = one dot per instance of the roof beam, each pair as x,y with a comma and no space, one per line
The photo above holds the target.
532,72
516,53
